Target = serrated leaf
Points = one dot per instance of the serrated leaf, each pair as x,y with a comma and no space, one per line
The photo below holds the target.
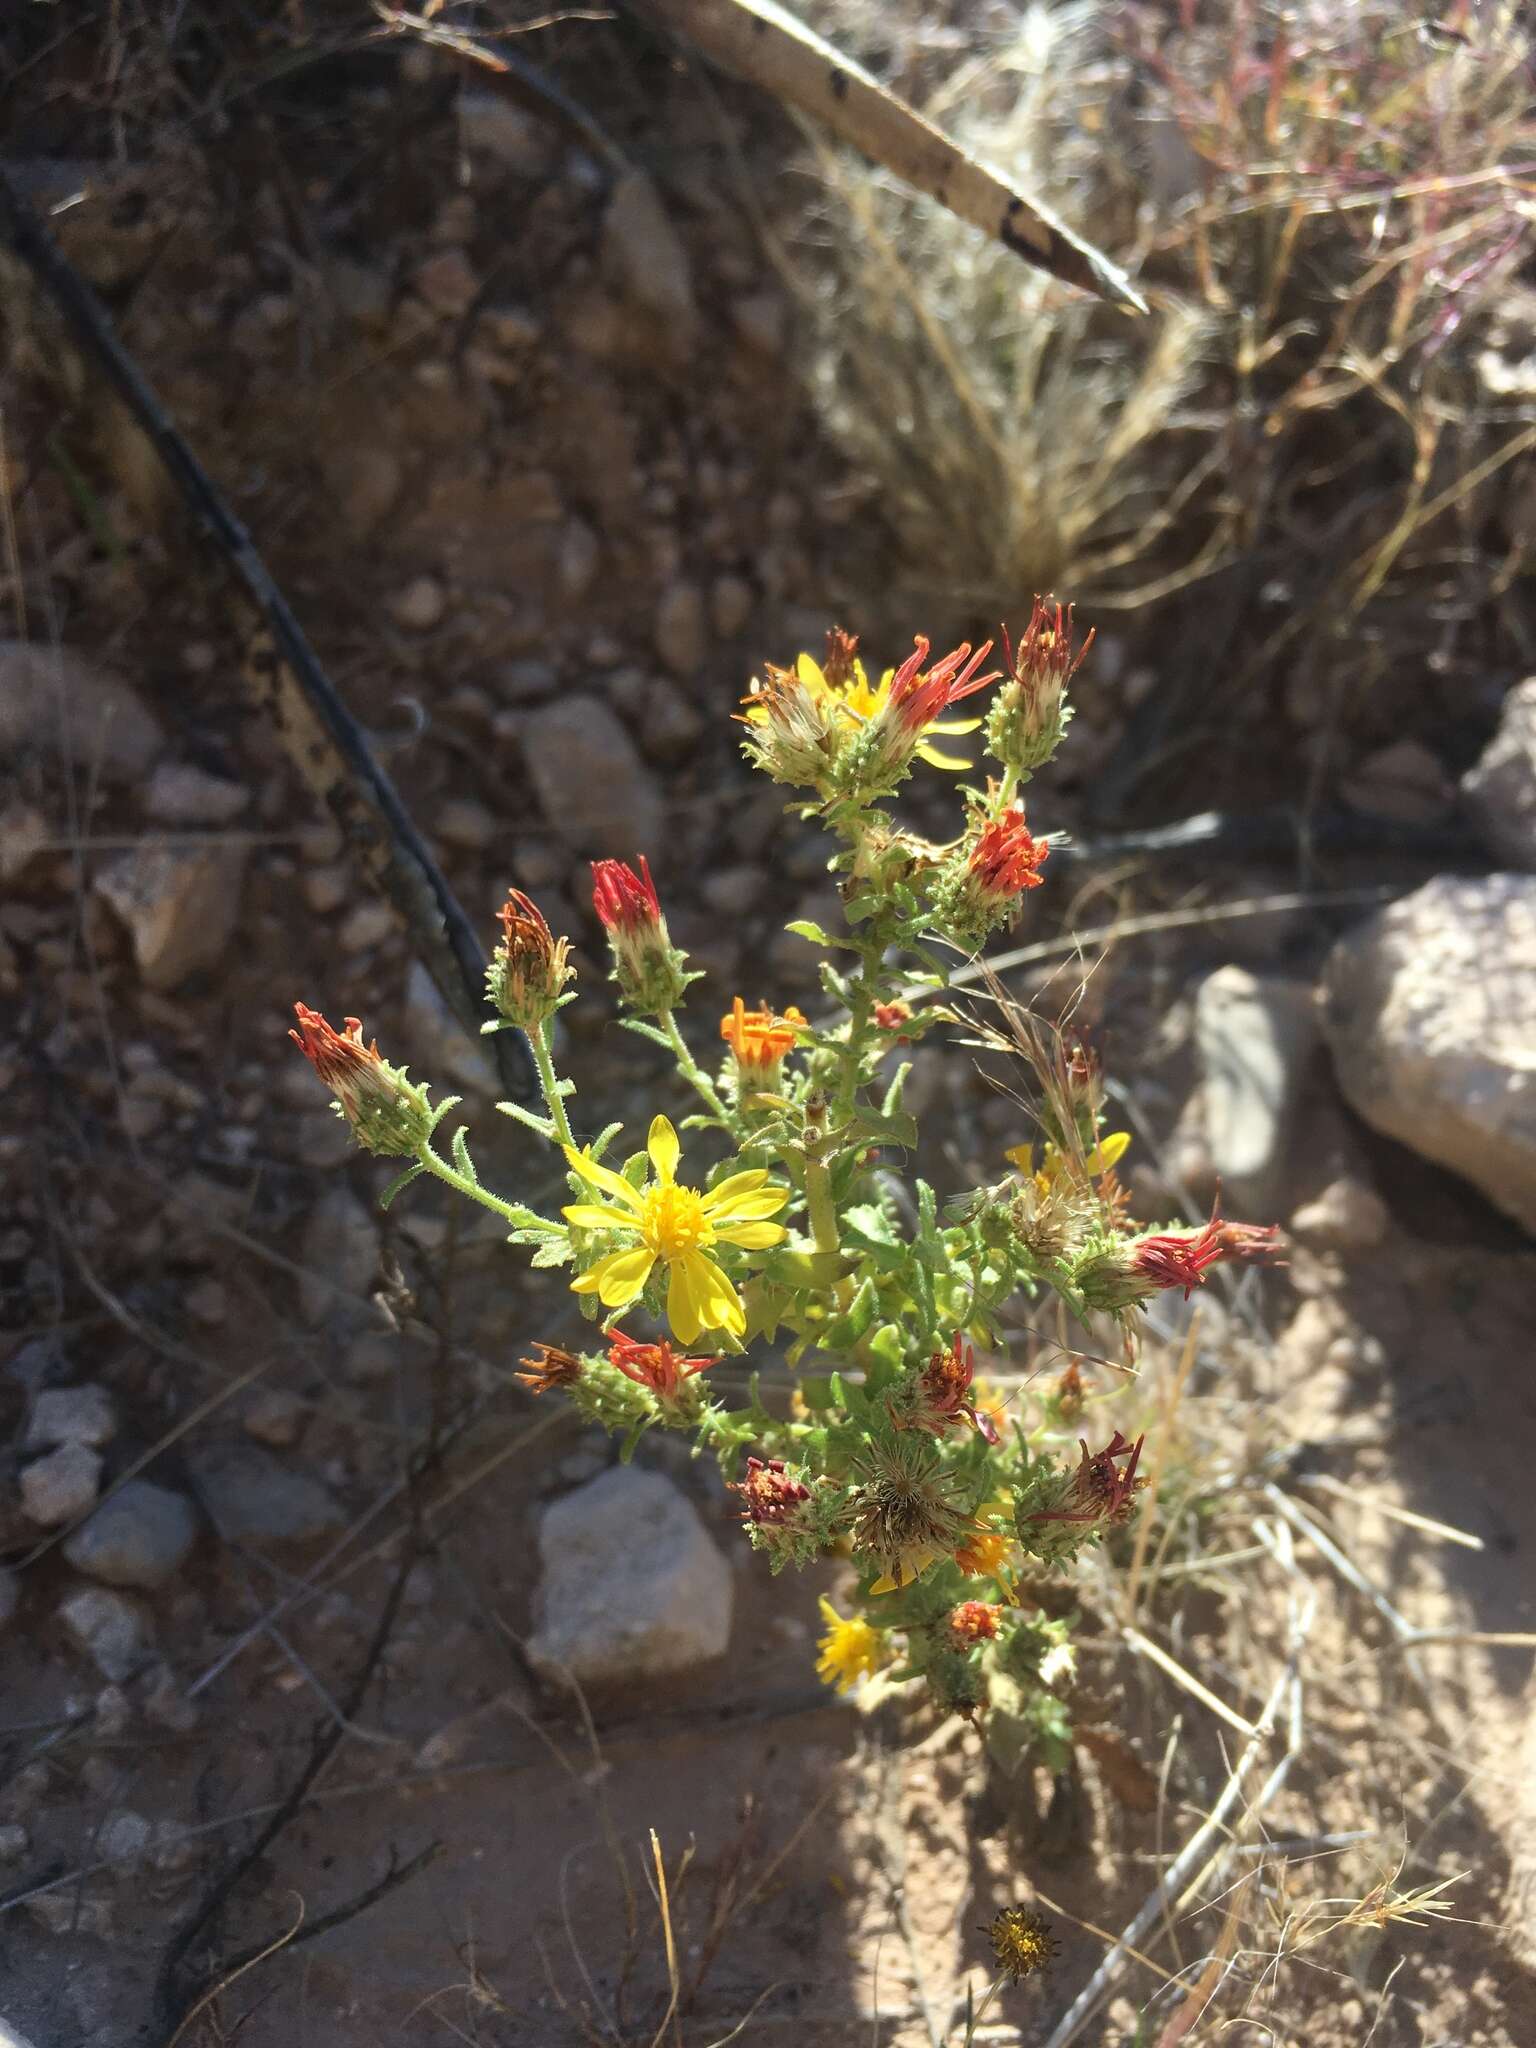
541,1124
807,928
870,1225
401,1181
461,1158
554,1251
873,1127
887,1346
837,986
636,1169
850,1326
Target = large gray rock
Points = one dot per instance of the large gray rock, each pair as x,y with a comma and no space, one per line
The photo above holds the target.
140,1537
114,1633
633,1586
1430,1008
255,1498
592,785
1254,1038
50,698
180,905
1500,788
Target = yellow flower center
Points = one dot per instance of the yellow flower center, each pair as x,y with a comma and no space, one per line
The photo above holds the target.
673,1222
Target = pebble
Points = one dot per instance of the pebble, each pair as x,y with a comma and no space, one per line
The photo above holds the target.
113,1631
593,787
341,1255
14,1844
440,1048
1403,782
647,258
165,1705
448,283
275,1418
141,1536
179,794
1347,1216
632,1585
111,1713
125,1837
536,863
577,561
731,602
71,1415
419,605
501,129
207,1302
527,680
1430,1008
762,321
365,478
1254,1038
62,1486
464,821
23,834
110,733
733,891
179,904
326,889
670,728
253,1497
366,925
681,629
1500,788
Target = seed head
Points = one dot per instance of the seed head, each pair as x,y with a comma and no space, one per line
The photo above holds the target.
1022,1942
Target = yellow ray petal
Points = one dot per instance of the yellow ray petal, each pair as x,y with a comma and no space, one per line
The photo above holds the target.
747,1208
1107,1152
735,1184
664,1150
1021,1156
619,1279
602,1176
951,728
593,1216
752,1237
937,760
718,1303
810,672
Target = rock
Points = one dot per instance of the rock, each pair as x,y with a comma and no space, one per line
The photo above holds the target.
365,478
731,600
165,1705
341,1254
672,723
114,1633
645,256
24,832
1500,788
206,1301
577,561
326,888
632,1586
366,925
448,283
1431,1013
71,1415
496,125
126,1837
47,693
1404,782
465,821
141,1536
179,794
762,321
527,680
252,1497
62,1486
681,630
14,1844
733,891
595,790
10,1595
275,1418
440,1047
180,905
1347,1216
419,605
1254,1038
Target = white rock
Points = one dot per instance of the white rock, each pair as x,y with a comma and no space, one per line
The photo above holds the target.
366,479
114,1632
465,821
180,905
179,794
61,1486
141,1536
71,1415
632,1586
762,321
419,605
681,628
646,257
595,790
126,1837
1500,788
341,1254
50,695
1253,1038
491,122
368,924
1347,1216
1431,1012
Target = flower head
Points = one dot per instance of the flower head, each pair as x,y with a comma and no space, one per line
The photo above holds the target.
656,1366
793,728
551,1368
1022,1942
943,1394
892,1016
1006,859
1179,1258
903,1511
759,1039
1101,1491
988,1545
972,1622
1029,714
677,1225
770,1498
530,966
388,1113
850,1649
646,965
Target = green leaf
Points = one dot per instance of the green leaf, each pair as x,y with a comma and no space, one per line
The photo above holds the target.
604,1139
401,1181
461,1158
807,928
876,1128
837,986
892,1103
818,1393
643,1030
849,1327
636,1169
869,1224
886,1346
554,1251
541,1124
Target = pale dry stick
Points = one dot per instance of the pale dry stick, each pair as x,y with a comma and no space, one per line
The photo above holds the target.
1347,1570
1187,1681
674,1980
764,43
1173,1393
1446,1532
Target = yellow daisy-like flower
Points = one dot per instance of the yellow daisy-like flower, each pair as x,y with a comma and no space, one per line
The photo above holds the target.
859,701
676,1224
850,1649
1109,1151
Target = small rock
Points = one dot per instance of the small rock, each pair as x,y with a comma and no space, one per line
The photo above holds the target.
483,1728
165,1705
180,905
448,283
527,680
111,1713
66,1912
254,1498
327,888
40,1362
1254,1038
141,1536
1500,789
366,925
10,1595
646,256
179,794
48,693
23,834
681,631
71,1415
125,1838
580,553
671,723
276,1419
464,821
1404,782
115,1633
420,605
632,1587
595,790
496,125
207,1302
762,321
1431,1013
365,478
14,1844
731,601
341,1254
1347,1216
62,1486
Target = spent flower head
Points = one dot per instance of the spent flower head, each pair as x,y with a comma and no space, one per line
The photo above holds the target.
530,966
387,1112
1022,1942
551,1368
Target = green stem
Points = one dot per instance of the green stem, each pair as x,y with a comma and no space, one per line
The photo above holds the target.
519,1217
819,1206
1010,784
689,1067
851,1054
538,1042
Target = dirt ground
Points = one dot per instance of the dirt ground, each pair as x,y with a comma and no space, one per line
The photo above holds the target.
491,471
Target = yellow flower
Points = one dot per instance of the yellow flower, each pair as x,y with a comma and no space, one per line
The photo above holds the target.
857,702
850,1650
1109,1151
675,1224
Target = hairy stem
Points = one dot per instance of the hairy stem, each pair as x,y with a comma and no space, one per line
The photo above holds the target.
539,1043
690,1069
519,1217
